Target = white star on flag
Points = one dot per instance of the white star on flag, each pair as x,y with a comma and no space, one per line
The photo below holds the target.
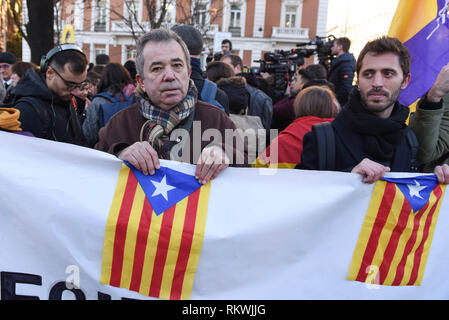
414,189
162,188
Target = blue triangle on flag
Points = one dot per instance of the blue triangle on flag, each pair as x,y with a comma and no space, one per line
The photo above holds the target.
416,190
166,187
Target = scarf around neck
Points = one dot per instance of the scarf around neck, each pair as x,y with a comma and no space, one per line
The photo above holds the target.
156,130
380,136
9,119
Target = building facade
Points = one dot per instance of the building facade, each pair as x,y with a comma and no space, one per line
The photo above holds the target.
253,26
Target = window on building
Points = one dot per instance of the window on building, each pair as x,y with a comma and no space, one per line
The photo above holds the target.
236,12
290,16
131,52
131,10
170,14
200,14
99,49
100,15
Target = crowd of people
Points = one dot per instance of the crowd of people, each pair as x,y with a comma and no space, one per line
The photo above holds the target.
164,105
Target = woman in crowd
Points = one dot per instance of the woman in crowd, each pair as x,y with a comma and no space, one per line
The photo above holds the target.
18,71
114,80
312,105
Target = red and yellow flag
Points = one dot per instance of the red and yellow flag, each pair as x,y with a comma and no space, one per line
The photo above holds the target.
153,254
395,238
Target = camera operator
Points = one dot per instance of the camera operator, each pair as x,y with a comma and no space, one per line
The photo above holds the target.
342,69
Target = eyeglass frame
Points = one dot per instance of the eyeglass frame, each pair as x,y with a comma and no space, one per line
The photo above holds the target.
69,84
5,65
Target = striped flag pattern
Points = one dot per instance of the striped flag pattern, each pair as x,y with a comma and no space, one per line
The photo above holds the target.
423,27
394,241
155,255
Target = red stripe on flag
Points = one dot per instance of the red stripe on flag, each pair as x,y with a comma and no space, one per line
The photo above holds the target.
419,251
141,245
408,247
185,246
381,218
394,241
162,249
120,230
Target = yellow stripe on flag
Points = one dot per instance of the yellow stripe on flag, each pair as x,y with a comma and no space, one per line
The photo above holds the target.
410,17
108,246
173,249
399,253
150,253
428,243
387,230
131,237
197,242
366,229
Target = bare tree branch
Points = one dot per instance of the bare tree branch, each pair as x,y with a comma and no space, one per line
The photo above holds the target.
17,19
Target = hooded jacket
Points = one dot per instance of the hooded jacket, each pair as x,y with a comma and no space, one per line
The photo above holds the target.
235,88
341,75
44,114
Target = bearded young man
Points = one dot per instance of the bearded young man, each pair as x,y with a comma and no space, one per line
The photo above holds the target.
167,121
371,131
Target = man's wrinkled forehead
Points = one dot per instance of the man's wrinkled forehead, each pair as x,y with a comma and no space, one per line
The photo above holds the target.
173,56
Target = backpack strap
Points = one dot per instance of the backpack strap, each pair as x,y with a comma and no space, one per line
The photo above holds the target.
325,138
106,96
414,145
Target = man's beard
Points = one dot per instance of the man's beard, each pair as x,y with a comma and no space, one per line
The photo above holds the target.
376,108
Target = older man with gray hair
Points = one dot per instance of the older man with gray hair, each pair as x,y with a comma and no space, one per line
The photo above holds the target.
167,121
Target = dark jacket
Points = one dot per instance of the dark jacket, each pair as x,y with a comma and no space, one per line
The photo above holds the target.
198,79
260,105
349,148
283,112
234,87
341,74
44,114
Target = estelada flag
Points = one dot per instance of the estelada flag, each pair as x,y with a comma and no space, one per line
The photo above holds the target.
397,231
154,233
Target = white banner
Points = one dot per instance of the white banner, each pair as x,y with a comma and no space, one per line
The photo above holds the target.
269,234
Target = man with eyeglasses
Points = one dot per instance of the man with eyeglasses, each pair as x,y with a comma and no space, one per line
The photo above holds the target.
7,59
44,97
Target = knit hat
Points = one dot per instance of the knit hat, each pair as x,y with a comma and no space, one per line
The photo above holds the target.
7,57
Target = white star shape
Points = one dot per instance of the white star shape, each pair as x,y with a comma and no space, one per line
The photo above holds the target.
162,188
414,189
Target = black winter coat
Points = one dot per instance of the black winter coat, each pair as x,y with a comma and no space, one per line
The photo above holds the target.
44,114
341,75
349,150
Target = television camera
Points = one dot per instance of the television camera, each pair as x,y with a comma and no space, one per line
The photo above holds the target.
283,64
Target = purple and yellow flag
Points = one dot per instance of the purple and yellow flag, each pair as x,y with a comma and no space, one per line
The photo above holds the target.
397,232
423,27
154,233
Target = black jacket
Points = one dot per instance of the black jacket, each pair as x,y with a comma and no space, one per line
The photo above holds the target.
235,88
349,149
44,114
341,74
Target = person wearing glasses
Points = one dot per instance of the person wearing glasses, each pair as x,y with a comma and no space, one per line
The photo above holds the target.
7,59
44,97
